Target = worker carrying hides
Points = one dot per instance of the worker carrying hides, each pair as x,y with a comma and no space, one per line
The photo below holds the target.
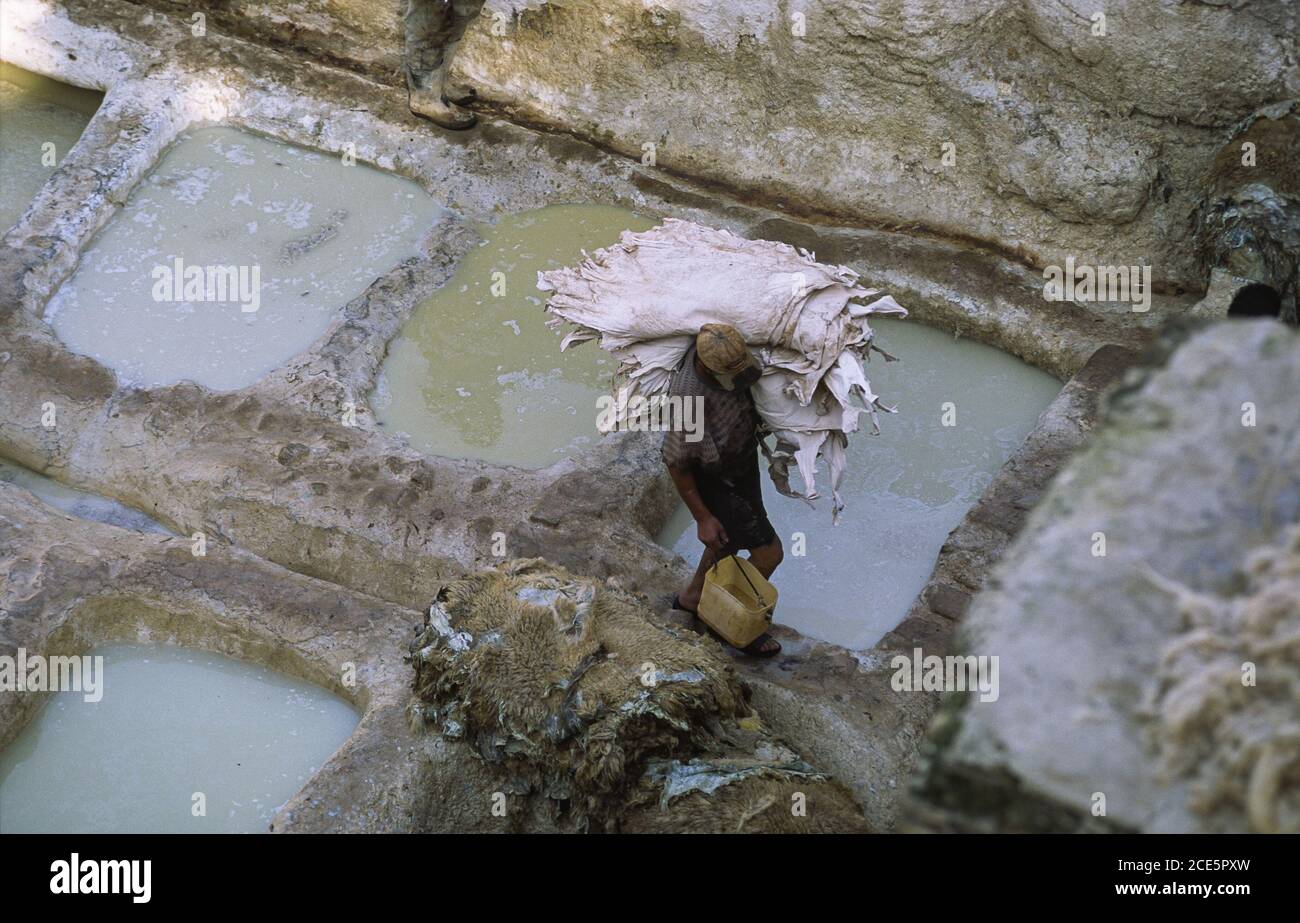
645,298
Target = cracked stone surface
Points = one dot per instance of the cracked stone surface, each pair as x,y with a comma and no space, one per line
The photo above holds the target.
279,478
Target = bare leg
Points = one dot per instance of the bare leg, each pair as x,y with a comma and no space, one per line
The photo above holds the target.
690,597
767,558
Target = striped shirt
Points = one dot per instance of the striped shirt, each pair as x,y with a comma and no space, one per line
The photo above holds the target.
729,425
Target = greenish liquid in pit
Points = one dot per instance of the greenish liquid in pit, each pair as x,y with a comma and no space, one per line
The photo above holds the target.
318,231
476,375
905,489
172,722
35,111
77,502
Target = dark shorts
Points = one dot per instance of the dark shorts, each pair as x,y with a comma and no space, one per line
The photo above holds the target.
735,496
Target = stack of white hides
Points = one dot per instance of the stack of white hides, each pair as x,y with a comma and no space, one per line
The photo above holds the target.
646,297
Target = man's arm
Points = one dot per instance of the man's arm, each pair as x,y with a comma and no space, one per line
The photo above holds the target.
707,527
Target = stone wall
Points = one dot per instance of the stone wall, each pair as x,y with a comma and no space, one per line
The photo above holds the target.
1026,126
361,35
1064,142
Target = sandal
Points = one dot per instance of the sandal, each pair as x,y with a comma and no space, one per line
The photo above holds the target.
756,648
762,646
677,604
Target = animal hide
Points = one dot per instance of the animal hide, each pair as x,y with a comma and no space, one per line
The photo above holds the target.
644,299
607,721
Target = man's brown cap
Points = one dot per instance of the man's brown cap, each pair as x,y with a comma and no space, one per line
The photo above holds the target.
722,350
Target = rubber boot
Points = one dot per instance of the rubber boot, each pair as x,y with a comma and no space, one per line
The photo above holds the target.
428,103
430,33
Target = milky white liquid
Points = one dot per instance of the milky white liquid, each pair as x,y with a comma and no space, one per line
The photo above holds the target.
172,723
40,120
77,502
477,375
311,231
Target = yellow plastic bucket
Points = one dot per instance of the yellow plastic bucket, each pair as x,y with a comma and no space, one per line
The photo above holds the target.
737,601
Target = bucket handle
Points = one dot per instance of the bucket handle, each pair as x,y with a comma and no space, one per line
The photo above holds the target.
757,595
